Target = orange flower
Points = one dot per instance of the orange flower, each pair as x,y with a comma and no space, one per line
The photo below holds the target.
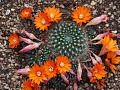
42,21
108,45
63,64
111,57
93,79
50,68
102,82
26,13
29,85
37,74
14,40
98,71
81,14
53,14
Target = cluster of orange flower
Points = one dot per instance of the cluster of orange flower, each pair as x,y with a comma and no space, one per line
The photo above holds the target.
43,20
110,47
62,64
53,14
97,74
49,69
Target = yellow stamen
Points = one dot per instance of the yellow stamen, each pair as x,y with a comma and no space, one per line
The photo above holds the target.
52,15
51,69
43,21
96,71
81,16
62,64
14,40
27,13
32,85
38,73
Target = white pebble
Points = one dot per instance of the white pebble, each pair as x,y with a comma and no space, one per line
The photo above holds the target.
114,31
94,12
100,1
109,13
26,5
7,12
93,3
106,25
12,9
114,7
112,16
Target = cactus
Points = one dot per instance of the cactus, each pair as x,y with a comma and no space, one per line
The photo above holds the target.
64,38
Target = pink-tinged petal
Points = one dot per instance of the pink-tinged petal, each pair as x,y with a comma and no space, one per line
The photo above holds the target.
116,35
67,76
31,36
64,78
118,52
30,47
94,21
93,60
88,60
71,71
24,71
99,42
79,71
89,74
98,37
97,20
103,51
97,58
75,86
26,40
46,81
104,18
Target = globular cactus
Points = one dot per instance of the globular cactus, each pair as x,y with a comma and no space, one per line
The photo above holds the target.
70,40
67,39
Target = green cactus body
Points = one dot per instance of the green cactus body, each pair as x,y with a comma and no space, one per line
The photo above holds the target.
67,39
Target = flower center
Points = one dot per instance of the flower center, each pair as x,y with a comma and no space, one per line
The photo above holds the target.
32,85
96,71
52,15
26,13
51,69
62,64
38,73
81,16
14,40
43,21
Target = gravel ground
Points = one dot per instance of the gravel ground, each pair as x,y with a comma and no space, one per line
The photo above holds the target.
10,21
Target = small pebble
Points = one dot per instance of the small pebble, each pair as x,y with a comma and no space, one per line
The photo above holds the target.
114,7
109,13
100,1
26,5
12,9
93,3
106,25
112,16
13,79
7,12
62,6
